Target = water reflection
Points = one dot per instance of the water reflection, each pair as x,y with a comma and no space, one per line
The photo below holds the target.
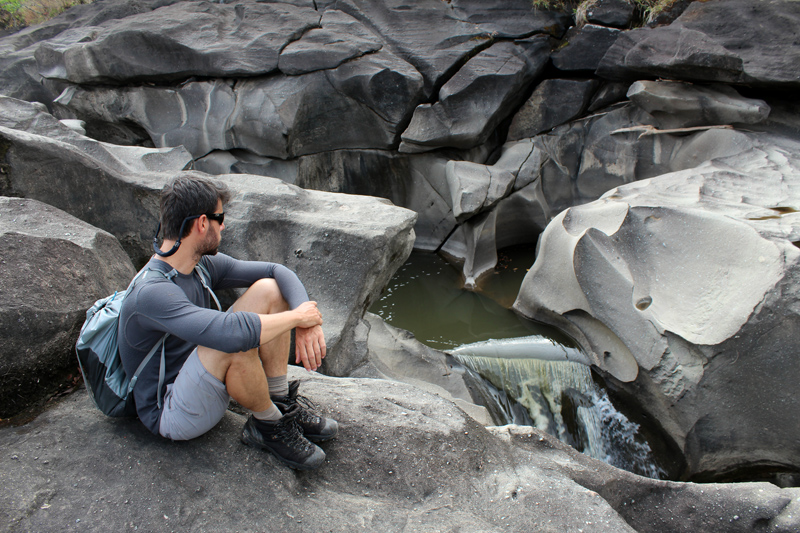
426,297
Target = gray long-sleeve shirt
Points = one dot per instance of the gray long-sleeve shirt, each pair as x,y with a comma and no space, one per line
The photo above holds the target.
182,307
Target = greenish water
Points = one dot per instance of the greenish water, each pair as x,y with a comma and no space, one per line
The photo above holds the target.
427,298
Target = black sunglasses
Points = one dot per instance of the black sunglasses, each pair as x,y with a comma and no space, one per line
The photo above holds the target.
219,217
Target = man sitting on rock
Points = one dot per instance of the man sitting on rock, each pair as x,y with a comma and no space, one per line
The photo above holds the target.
212,355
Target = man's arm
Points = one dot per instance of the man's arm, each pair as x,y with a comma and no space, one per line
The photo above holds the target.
310,346
309,340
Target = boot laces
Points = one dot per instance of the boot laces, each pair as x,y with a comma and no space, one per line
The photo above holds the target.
290,433
308,407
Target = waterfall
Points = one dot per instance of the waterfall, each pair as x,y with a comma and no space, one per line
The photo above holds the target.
561,398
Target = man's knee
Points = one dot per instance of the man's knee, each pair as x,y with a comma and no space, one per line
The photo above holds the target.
264,296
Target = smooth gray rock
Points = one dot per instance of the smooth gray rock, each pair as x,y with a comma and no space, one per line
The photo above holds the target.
54,268
511,19
683,288
475,187
396,355
415,181
429,35
553,102
682,105
344,248
244,162
583,48
340,38
474,101
19,74
607,94
404,460
45,160
516,219
730,41
177,41
617,13
654,505
275,116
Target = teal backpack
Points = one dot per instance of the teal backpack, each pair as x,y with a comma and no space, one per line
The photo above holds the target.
98,351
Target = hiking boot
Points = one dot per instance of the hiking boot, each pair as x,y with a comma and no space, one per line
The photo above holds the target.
315,427
283,438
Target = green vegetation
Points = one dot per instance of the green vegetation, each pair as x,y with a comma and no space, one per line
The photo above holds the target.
16,14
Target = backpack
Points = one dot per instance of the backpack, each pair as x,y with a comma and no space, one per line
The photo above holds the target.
98,352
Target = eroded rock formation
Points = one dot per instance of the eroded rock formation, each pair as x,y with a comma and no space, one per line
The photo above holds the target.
683,288
449,109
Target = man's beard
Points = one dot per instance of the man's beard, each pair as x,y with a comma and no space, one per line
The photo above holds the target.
210,246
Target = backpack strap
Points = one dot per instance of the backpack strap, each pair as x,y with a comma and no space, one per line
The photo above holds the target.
147,360
204,275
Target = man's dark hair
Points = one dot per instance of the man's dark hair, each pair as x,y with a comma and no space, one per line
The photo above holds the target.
188,195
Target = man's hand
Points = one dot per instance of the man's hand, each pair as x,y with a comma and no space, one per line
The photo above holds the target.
309,346
308,315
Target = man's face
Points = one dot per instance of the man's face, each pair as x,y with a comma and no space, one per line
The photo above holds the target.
211,244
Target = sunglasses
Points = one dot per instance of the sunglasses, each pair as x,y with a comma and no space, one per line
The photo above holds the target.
219,217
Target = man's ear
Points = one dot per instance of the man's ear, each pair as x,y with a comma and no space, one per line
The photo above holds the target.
201,224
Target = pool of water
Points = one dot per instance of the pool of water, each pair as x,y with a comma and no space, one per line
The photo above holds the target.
427,297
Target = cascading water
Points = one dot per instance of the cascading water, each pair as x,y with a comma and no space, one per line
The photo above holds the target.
531,377
561,398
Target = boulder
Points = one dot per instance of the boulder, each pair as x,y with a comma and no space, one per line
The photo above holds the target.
345,248
176,42
19,74
431,36
339,39
275,116
112,187
396,355
244,162
583,48
516,219
54,268
607,94
511,19
553,102
683,288
682,105
730,41
404,460
475,187
474,101
616,13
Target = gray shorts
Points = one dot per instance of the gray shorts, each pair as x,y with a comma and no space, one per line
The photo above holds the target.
194,403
